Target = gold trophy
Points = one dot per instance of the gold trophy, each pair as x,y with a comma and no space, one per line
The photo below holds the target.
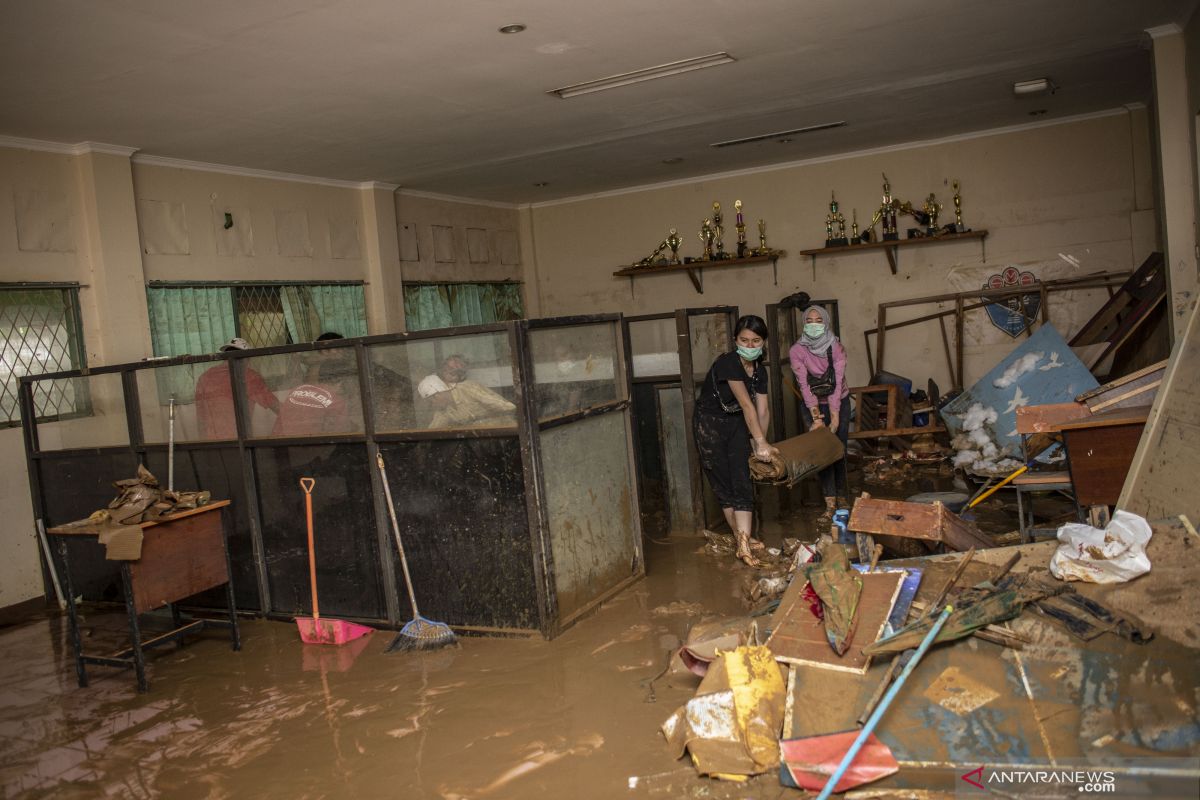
742,252
832,219
718,233
762,249
706,237
648,261
958,223
854,229
931,209
673,241
887,212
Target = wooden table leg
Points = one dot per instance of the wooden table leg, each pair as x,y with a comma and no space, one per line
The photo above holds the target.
135,633
72,615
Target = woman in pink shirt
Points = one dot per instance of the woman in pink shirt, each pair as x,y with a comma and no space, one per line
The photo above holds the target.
819,363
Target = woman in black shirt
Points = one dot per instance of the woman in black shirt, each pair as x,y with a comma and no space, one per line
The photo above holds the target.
729,423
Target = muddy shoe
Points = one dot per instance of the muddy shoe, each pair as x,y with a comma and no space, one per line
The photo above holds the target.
743,550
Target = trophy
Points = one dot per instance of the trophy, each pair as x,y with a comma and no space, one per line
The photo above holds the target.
742,251
832,219
673,241
958,223
931,209
854,229
718,233
648,261
762,249
886,213
706,237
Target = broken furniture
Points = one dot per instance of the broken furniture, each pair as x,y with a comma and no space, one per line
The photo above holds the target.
1038,427
1135,389
1106,342
927,522
182,554
1100,449
891,419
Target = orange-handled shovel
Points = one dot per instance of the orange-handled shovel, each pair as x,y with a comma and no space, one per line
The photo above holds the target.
314,630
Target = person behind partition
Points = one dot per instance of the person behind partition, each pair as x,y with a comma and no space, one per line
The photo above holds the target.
819,364
458,402
319,405
730,423
214,396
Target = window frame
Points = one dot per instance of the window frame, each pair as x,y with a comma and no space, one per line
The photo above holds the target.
75,344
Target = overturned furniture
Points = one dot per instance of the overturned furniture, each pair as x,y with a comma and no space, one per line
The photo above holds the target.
931,524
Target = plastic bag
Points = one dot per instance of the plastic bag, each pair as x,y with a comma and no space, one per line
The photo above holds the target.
1113,555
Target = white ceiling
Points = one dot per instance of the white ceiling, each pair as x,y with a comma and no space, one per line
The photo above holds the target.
430,96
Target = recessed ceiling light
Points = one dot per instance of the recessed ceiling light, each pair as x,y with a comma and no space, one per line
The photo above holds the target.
516,27
647,74
675,160
540,184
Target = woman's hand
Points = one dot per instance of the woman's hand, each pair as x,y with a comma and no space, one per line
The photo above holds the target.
763,451
833,421
817,420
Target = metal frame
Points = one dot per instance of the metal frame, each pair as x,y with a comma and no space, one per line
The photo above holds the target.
526,431
76,345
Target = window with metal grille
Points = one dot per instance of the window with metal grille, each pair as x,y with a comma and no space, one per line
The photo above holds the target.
40,332
447,305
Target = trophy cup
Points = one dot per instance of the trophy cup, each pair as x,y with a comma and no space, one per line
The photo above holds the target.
835,218
706,237
854,229
931,209
648,261
887,213
762,249
741,230
673,242
718,233
958,223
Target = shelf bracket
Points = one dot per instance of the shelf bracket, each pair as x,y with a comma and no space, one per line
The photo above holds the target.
697,276
893,256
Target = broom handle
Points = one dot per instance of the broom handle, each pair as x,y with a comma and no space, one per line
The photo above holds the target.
996,488
387,491
307,485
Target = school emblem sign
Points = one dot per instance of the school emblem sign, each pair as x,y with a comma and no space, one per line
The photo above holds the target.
1011,313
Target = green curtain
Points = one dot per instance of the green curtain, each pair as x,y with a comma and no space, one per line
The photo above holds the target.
187,320
313,310
446,305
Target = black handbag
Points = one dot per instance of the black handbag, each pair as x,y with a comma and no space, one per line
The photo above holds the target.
822,385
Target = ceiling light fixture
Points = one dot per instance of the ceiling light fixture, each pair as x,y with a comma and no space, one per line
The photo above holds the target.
516,27
1036,86
782,136
647,74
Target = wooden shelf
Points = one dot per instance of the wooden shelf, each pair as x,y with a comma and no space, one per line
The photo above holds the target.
891,248
695,269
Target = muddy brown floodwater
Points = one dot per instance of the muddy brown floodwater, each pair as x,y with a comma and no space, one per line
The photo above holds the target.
491,718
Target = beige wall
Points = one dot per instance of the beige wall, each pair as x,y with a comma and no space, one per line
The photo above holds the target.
483,241
1058,200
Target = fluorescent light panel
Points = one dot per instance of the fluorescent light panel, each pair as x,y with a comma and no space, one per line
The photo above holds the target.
779,134
647,74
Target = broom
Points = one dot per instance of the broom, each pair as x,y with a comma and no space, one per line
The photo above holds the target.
419,633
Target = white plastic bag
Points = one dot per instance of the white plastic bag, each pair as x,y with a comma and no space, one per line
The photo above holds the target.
1113,555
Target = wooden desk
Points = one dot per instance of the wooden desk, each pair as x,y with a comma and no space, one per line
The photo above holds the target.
182,554
1100,449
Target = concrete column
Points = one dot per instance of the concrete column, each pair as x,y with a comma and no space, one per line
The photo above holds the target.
385,296
116,301
1176,158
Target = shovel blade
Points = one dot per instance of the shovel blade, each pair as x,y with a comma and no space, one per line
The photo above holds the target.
810,761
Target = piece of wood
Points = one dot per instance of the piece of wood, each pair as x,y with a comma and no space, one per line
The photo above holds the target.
1126,390
1099,458
931,522
1056,478
634,271
1112,418
178,560
83,527
797,637
1048,417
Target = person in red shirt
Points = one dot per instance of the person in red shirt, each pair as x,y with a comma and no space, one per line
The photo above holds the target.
214,396
314,408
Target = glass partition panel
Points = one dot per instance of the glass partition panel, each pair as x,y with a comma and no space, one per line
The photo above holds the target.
654,347
344,533
309,393
455,382
203,395
590,505
99,416
710,337
574,367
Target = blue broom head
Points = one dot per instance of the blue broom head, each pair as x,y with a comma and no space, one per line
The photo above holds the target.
423,634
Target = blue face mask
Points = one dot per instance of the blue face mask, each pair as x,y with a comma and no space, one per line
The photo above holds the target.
814,330
749,353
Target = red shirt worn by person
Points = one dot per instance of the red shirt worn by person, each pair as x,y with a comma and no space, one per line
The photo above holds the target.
311,409
214,401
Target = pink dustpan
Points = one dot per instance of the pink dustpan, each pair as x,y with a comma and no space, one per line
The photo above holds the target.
314,630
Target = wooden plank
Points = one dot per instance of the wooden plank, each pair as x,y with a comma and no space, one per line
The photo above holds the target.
891,243
179,559
632,271
1047,418
1099,458
799,638
1133,377
1137,415
931,522
880,432
1039,478
83,527
1140,395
